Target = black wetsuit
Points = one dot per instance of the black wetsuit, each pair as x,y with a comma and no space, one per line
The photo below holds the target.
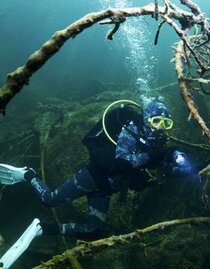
101,178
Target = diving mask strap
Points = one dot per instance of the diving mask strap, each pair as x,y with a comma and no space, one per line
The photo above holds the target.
21,244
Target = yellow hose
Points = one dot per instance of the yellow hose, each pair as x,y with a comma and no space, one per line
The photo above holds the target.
107,109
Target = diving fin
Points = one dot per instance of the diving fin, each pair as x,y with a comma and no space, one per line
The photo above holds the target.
10,175
21,244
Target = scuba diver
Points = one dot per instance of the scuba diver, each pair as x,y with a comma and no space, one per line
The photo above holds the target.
119,156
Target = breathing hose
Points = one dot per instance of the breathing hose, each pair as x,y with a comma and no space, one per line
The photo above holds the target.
108,108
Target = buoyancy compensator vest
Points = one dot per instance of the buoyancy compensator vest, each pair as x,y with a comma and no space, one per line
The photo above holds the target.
101,139
101,143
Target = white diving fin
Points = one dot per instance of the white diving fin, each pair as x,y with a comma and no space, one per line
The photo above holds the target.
10,175
21,244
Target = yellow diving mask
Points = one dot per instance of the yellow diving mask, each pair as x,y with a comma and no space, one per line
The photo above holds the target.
159,121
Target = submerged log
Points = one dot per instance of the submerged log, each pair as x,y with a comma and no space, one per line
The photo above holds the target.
99,245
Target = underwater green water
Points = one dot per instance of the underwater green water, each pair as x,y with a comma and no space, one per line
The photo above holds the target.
63,100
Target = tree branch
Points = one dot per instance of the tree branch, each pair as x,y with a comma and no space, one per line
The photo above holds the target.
99,245
186,90
20,77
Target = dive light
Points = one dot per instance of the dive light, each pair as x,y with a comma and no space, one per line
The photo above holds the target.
180,158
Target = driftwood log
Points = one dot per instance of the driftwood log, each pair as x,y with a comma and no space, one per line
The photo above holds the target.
68,259
187,52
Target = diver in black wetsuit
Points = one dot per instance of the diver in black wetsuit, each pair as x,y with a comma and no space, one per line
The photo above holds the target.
139,146
100,178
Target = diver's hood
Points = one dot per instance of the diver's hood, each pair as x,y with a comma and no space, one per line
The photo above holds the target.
155,109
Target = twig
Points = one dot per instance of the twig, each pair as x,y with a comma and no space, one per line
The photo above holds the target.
117,20
205,171
16,145
156,10
201,146
181,34
24,156
158,32
111,32
206,174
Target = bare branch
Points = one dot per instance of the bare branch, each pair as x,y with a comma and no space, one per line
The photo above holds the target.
169,12
186,92
99,245
20,77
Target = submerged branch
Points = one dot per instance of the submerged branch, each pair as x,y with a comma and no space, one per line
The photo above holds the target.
158,32
20,77
186,90
169,12
182,35
199,146
205,171
99,245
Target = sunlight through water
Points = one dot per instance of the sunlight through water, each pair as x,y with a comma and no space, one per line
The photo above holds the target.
134,36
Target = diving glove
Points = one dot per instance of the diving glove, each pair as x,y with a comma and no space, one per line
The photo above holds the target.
10,175
34,230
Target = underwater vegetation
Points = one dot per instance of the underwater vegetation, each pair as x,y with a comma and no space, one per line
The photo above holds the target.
54,137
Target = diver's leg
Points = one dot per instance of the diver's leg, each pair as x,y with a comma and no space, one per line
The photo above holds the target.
98,207
80,184
21,244
97,212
